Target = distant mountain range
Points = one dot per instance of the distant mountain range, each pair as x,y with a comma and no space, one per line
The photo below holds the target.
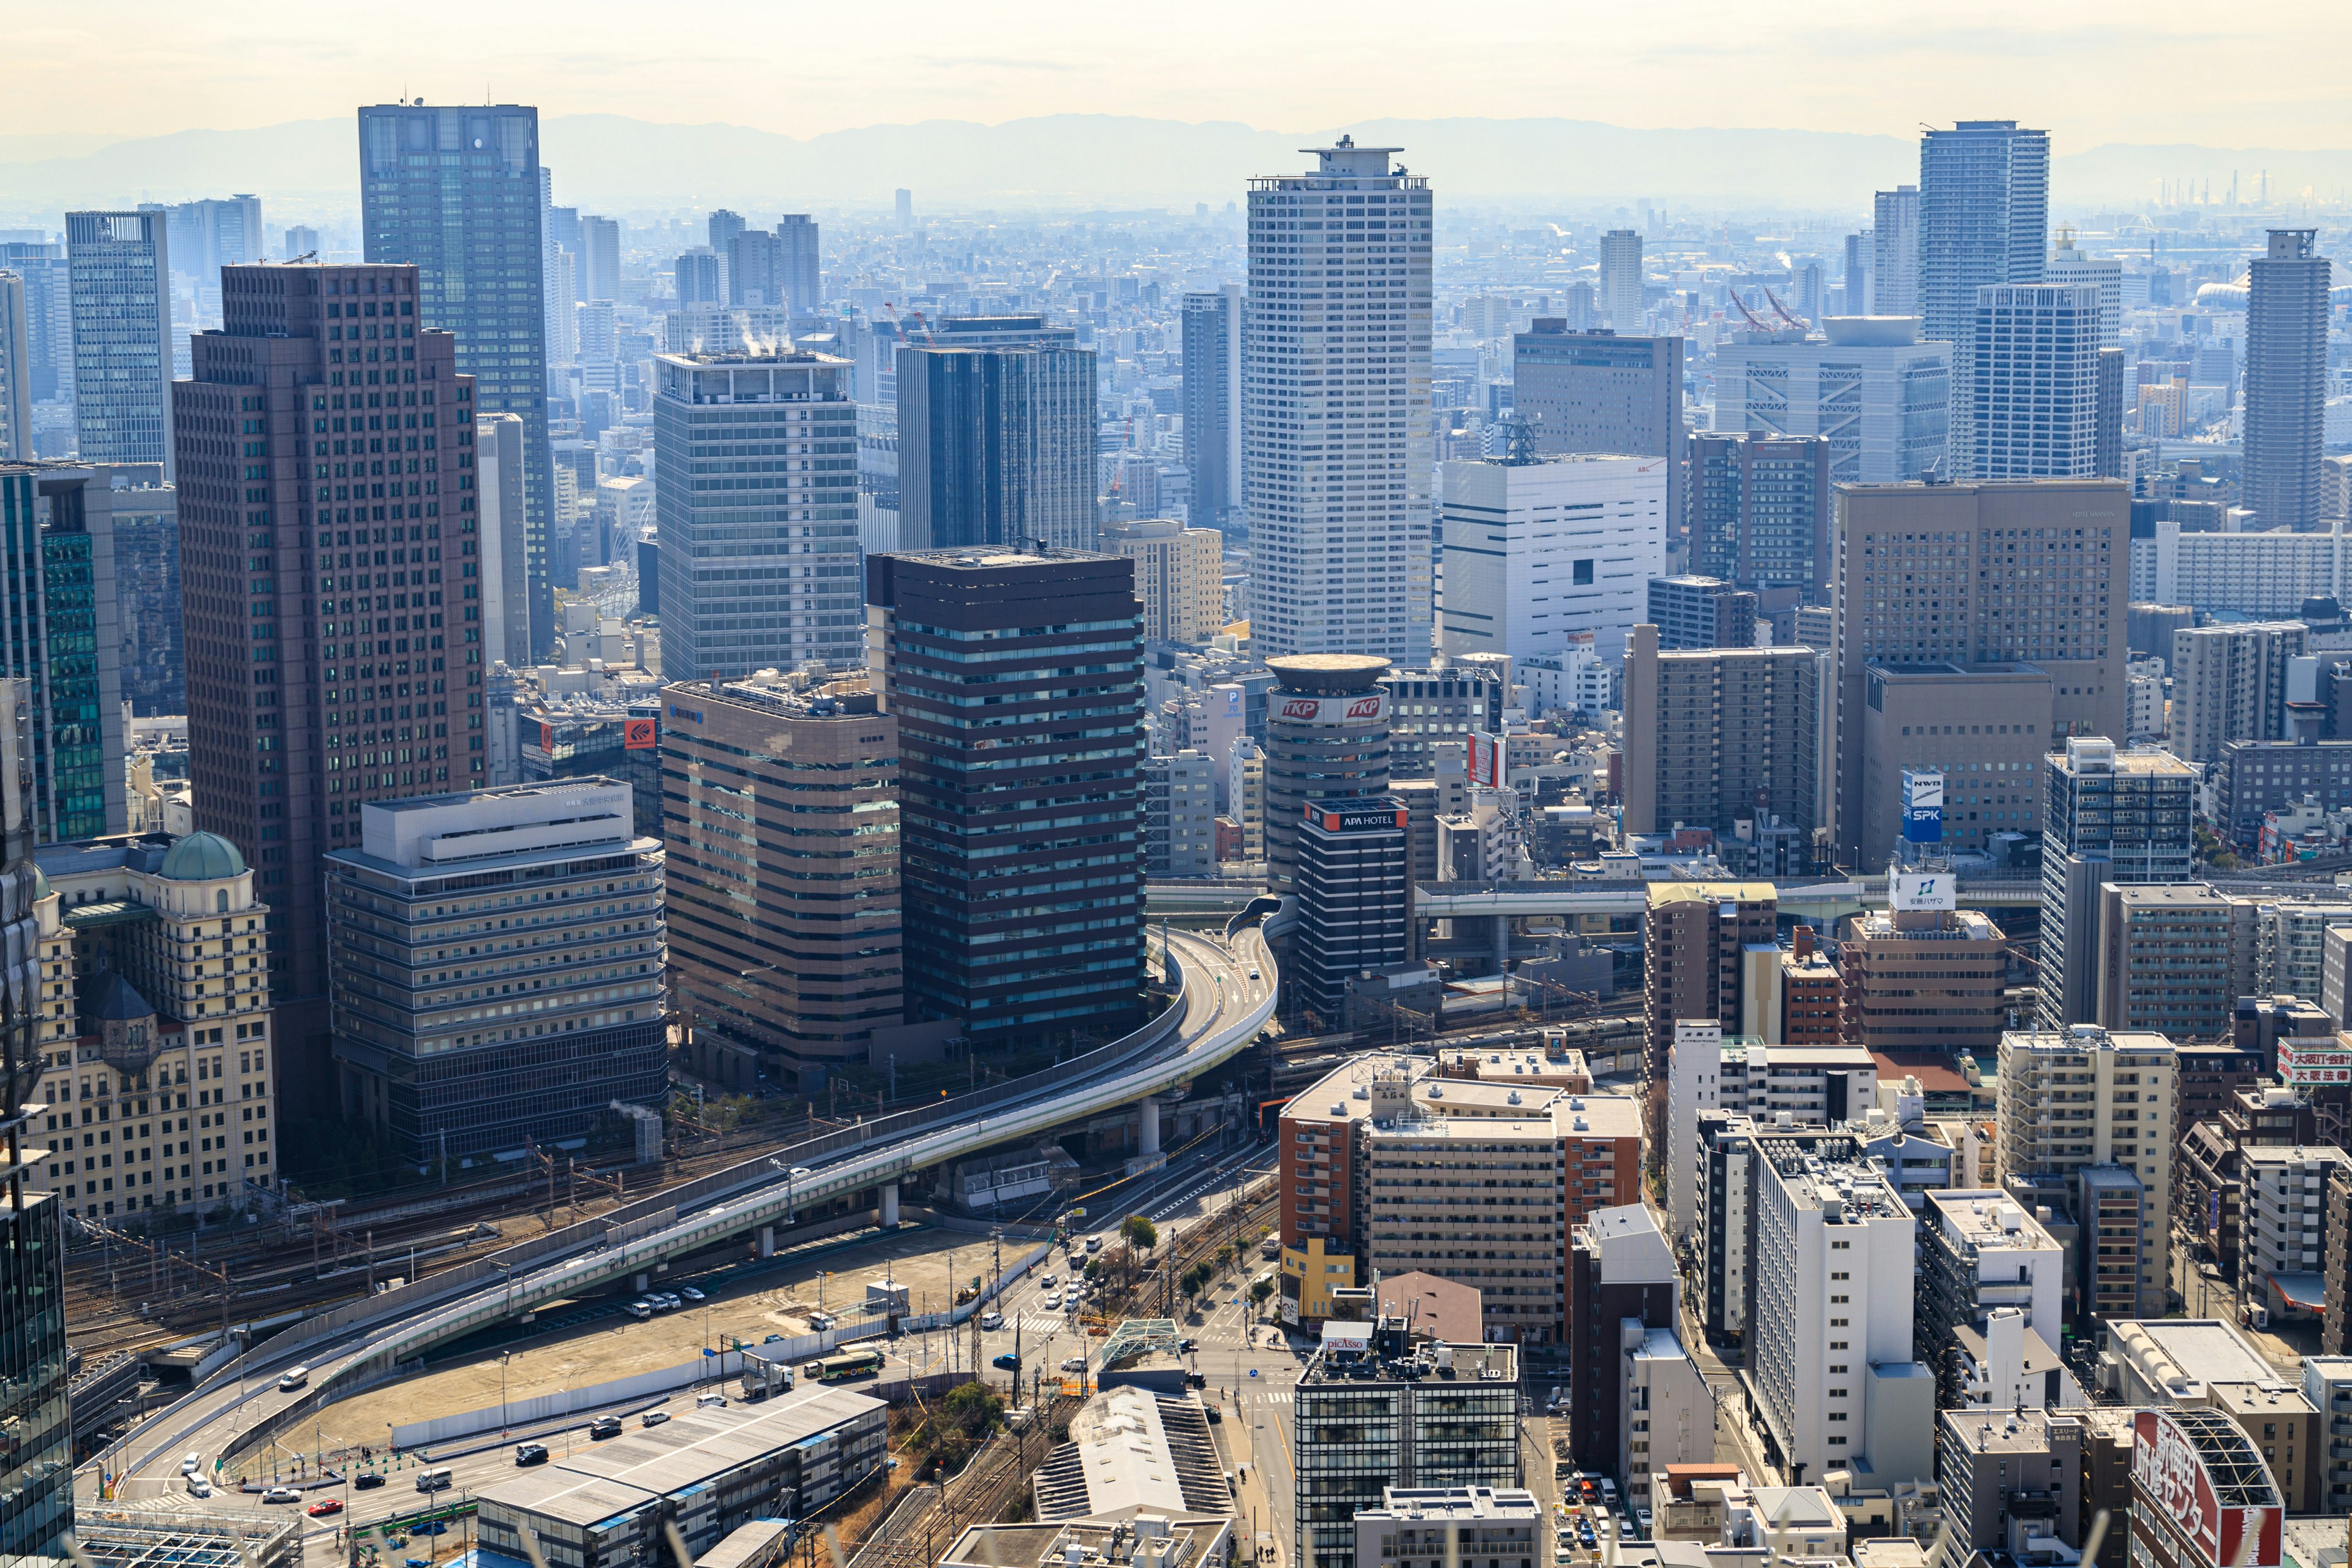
613,163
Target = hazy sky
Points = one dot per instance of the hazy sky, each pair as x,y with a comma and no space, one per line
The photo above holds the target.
2268,73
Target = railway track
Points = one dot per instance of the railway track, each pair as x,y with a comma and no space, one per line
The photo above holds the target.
927,1521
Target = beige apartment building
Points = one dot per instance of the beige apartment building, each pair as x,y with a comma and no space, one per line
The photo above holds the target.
1179,575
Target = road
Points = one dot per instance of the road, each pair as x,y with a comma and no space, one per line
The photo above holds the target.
1224,990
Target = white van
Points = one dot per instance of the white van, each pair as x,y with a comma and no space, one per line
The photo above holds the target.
991,1320
434,1480
296,1376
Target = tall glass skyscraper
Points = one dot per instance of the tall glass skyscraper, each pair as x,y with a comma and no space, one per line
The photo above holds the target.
121,281
1984,218
59,633
2286,380
456,193
996,435
1213,391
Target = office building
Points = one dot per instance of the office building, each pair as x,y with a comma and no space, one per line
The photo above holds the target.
2112,816
994,937
1433,712
1327,743
1688,932
1212,401
1724,736
1620,1279
1925,980
48,277
697,272
150,654
2287,375
1972,575
2107,419
1760,515
2228,683
372,693
1984,220
1178,575
37,1471
2210,1455
598,254
996,435
798,983
502,521
1872,387
121,917
1692,612
1914,717
452,1054
1335,441
2254,782
1379,1410
2033,384
457,192
1980,1252
15,371
2084,1099
1354,899
1895,255
1829,1365
1604,394
1621,279
1449,1524
2069,264
2015,1474
63,639
696,1478
759,571
1179,815
120,268
798,263
1536,552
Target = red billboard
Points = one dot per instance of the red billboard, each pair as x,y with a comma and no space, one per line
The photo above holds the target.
1486,761
637,735
2169,1470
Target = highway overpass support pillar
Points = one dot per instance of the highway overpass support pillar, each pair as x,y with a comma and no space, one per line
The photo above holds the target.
1503,945
767,1241
644,1280
1147,1115
890,1205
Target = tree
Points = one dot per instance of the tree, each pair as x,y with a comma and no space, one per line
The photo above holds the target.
1197,1278
972,1411
1260,1289
1139,1233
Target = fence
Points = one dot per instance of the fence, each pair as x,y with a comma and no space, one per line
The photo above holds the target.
547,1407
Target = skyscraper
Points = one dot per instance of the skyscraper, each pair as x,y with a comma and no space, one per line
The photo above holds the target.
49,314
754,268
1213,392
996,435
600,258
1984,217
2033,384
1760,514
16,370
455,191
2069,263
58,634
1871,388
1894,264
122,271
1024,918
206,236
2286,369
1603,392
798,268
1336,446
1539,550
758,570
697,280
1621,281
332,625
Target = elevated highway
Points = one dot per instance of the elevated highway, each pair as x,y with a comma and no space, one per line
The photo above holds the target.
1227,995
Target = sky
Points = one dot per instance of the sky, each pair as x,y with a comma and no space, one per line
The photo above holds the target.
2262,74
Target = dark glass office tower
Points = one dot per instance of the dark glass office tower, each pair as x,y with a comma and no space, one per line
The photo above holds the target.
455,194
330,588
1022,845
2287,381
58,632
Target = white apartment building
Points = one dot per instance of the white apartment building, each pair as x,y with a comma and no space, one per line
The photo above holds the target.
2143,701
1812,1086
2033,384
1880,394
1830,1360
2083,1097
2285,1212
1576,681
1621,281
1451,1524
2249,573
2071,265
1336,443
1536,552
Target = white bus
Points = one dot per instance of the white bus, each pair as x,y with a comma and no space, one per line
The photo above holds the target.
296,1376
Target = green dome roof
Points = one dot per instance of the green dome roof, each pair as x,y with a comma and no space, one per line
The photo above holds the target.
40,883
202,858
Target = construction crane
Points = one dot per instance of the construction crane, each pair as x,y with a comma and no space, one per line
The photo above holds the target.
928,341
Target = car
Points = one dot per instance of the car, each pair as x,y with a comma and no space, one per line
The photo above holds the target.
653,1418
530,1454
325,1507
295,1377
1213,1412
691,1294
1053,1302
1009,1361
674,1300
199,1486
192,1464
367,1481
1094,1244
605,1427
710,1401
991,1322
1196,1380
1074,1363
282,1494
639,1309
773,1340
1188,1345
1252,974
1047,1283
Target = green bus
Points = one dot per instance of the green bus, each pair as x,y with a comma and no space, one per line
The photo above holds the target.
848,1365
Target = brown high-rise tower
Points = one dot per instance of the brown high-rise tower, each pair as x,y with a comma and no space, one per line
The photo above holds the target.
325,454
